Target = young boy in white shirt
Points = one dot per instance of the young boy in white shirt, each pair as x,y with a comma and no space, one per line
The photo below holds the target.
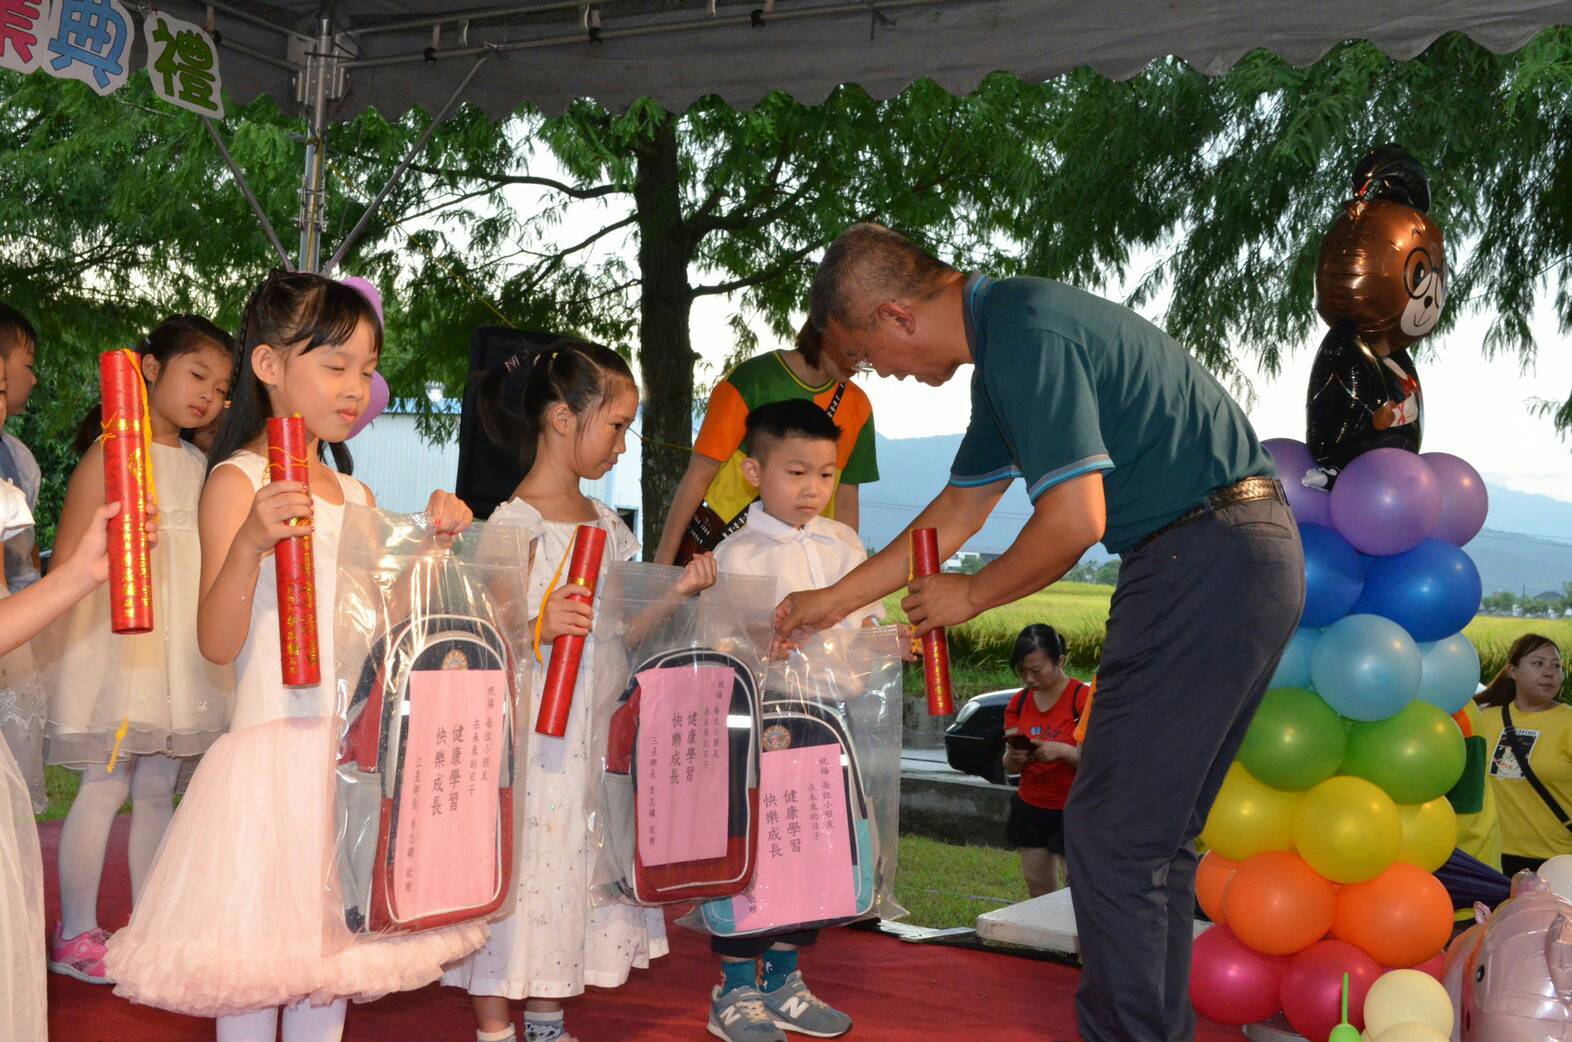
791,459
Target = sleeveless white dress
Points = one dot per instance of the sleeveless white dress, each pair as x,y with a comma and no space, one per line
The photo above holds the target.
556,940
241,912
172,700
23,1015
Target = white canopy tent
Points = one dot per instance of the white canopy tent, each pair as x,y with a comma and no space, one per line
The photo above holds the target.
334,59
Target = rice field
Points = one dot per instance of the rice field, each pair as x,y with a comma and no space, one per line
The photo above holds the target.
980,650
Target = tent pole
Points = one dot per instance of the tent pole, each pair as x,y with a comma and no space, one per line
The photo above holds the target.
398,171
245,190
312,201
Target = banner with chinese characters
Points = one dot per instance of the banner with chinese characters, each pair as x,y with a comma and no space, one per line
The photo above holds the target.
90,41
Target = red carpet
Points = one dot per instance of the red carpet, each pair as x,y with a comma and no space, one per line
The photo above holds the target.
897,992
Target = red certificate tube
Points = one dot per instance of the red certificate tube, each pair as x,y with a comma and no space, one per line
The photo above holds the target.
297,596
127,481
935,649
589,543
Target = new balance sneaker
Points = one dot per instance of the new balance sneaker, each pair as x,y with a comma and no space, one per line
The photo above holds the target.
794,1008
740,1016
81,956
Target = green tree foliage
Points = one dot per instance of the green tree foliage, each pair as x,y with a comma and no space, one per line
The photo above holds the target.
117,211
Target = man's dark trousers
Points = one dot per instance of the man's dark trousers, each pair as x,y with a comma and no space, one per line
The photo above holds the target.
1200,617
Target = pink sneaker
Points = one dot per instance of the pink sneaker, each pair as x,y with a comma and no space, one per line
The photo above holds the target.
81,956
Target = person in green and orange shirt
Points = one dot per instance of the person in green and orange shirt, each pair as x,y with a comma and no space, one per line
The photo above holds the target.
714,487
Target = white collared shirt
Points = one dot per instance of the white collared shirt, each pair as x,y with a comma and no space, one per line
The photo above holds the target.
818,554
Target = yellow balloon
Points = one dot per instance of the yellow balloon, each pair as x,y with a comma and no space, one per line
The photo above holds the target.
1429,833
1249,818
1403,997
1348,830
1411,1032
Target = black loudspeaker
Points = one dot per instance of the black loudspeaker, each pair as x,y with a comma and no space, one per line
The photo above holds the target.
487,475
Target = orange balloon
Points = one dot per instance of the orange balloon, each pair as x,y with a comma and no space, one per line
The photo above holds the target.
1211,879
1277,904
1400,918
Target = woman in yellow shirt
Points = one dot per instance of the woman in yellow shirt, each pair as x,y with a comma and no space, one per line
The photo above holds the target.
1525,719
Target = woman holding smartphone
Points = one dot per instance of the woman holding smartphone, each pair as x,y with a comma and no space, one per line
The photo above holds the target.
1041,746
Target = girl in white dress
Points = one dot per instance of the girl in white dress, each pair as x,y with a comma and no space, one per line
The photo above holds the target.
23,1014
240,917
566,410
128,711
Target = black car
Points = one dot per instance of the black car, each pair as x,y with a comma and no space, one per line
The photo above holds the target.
974,743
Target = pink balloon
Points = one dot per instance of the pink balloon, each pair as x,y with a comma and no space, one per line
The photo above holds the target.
1386,501
366,290
1312,987
1232,983
1435,966
377,404
1292,457
1464,499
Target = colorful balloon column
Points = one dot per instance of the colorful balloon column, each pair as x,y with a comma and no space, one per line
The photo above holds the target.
1330,823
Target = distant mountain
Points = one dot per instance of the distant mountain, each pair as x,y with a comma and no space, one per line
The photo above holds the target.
1526,543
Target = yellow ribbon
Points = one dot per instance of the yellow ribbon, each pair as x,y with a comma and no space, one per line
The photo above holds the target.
150,493
540,619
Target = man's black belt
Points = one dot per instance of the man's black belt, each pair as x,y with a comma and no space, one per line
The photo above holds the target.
1247,491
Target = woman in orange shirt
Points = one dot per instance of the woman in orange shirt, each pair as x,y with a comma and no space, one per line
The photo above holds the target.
1041,744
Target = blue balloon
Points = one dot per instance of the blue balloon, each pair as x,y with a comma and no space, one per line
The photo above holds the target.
1366,667
1450,675
1293,669
1334,575
1432,591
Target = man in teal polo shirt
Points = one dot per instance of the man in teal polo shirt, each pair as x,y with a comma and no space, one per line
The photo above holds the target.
1121,437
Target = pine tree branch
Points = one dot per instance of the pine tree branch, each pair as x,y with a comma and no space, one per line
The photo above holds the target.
499,180
775,270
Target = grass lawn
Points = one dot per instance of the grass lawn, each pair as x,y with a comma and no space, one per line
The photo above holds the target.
943,885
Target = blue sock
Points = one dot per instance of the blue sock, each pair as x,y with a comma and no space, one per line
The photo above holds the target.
737,974
778,965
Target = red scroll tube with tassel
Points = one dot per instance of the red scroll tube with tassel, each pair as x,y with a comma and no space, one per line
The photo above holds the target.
589,544
935,649
297,597
128,480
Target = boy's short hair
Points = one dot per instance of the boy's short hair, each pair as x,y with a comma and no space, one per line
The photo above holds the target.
793,418
15,330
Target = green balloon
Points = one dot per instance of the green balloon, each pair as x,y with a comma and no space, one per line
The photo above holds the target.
1295,741
1415,756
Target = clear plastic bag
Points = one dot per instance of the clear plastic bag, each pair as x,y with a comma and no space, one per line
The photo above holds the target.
432,652
676,718
829,790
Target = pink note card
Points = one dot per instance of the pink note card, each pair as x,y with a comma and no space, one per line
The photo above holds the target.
455,737
805,861
683,773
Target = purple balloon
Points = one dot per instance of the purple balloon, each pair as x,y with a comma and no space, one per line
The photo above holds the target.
366,290
1386,501
375,407
1309,505
1464,500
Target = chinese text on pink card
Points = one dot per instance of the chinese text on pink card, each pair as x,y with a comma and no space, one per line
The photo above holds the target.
683,775
447,837
805,859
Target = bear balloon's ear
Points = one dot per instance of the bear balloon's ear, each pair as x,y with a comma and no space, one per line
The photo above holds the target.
1391,172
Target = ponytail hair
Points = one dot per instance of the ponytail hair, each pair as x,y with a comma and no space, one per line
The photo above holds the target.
175,336
1503,688
1038,637
514,396
291,311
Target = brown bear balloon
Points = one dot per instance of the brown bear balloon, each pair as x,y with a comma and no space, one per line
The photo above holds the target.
1380,283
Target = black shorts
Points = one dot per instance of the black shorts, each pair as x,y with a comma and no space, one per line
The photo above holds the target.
1031,826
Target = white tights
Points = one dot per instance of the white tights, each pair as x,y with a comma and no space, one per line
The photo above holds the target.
149,781
302,1023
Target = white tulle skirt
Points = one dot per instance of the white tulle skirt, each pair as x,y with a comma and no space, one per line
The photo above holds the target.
23,1016
242,911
